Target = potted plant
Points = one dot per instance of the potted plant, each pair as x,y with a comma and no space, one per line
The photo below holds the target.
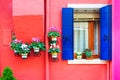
16,45
88,54
53,33
24,50
78,55
37,45
54,51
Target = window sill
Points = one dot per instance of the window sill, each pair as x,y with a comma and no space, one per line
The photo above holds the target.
84,61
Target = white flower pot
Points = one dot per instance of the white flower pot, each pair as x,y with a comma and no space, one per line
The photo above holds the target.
24,56
79,57
54,55
36,50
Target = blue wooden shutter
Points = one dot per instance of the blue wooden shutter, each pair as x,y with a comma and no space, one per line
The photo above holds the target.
106,33
67,34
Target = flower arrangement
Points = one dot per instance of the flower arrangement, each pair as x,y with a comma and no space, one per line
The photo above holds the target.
53,32
19,47
24,49
54,50
37,45
16,45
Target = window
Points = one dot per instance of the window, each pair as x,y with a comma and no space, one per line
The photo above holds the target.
86,31
86,34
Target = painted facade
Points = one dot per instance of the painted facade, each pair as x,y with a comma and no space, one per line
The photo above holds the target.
32,19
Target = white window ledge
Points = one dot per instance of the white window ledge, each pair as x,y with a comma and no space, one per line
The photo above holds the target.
84,61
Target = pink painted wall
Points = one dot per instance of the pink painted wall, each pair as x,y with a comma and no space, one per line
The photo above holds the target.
28,7
62,70
116,40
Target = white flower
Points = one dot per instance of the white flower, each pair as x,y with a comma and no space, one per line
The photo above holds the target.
24,46
54,44
26,49
51,46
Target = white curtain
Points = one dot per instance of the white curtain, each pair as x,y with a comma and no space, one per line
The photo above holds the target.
96,38
80,36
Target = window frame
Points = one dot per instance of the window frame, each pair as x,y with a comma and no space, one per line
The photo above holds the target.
84,61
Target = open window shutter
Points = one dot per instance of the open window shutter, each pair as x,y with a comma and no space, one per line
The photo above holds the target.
106,33
67,34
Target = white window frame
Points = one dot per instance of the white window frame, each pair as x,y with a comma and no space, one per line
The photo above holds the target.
84,61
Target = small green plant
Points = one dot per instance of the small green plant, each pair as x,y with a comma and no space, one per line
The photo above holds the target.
53,32
78,54
7,74
88,53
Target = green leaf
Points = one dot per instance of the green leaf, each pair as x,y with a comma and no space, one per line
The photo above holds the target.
53,33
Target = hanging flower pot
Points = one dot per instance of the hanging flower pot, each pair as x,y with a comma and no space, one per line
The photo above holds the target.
36,50
24,51
53,33
54,55
37,45
24,55
20,48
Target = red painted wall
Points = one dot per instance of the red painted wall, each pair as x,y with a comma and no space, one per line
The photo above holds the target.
62,70
26,27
